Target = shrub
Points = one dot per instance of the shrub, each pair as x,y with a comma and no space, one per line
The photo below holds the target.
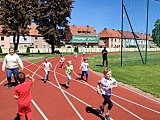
38,51
0,49
28,50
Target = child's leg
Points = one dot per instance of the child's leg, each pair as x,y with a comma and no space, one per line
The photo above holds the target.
22,116
29,115
86,74
107,100
82,75
46,74
69,79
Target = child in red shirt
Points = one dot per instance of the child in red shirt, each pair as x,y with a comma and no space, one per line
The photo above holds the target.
23,96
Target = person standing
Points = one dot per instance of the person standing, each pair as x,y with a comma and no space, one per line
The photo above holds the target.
47,65
104,88
11,63
104,56
23,96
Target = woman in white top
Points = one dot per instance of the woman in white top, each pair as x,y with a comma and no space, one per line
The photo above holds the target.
11,63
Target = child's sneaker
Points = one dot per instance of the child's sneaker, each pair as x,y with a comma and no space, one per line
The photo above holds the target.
107,117
67,84
101,110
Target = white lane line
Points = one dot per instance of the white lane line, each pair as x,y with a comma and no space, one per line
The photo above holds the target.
40,111
3,81
66,96
129,89
136,104
113,101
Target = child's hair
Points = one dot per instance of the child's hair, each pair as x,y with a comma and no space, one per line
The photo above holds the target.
69,62
45,58
21,77
61,55
85,59
106,70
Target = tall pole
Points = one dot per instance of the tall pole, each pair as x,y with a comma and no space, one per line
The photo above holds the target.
147,31
122,34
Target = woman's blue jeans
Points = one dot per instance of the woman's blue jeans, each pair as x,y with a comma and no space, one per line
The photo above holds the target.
13,71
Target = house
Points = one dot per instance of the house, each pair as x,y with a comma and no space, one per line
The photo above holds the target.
111,38
84,36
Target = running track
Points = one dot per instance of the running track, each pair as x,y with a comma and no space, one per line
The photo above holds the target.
52,101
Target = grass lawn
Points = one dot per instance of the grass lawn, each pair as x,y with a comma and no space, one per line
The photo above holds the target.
142,76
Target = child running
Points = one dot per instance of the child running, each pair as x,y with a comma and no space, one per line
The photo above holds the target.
62,59
84,66
69,69
104,88
47,65
23,96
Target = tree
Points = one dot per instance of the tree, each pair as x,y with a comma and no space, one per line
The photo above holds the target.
1,50
51,18
15,16
156,33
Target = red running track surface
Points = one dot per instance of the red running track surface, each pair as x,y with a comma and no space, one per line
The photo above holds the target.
52,101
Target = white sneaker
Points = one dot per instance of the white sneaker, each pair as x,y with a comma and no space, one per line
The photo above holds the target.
67,84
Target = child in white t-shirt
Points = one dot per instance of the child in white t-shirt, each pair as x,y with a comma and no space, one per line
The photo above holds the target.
104,88
46,64
84,66
62,59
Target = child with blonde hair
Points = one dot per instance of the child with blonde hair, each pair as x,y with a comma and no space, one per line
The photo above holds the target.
104,88
69,69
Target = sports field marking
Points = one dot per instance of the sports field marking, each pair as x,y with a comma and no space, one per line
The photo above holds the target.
3,81
115,102
94,88
137,104
85,102
40,111
66,96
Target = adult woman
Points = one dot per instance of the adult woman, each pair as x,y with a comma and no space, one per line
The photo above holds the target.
11,63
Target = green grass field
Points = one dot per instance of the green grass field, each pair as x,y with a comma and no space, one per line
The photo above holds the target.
145,77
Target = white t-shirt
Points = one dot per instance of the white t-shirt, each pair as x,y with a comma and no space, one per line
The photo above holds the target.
47,66
105,85
84,66
62,59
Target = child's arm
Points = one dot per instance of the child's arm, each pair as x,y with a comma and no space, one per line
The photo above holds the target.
98,89
113,85
16,97
31,78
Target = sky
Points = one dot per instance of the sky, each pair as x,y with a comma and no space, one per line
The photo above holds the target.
102,14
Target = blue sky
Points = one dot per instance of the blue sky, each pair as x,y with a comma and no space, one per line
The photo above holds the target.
102,14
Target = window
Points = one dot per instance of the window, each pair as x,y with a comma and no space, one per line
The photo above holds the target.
44,46
36,46
25,46
2,46
36,38
2,38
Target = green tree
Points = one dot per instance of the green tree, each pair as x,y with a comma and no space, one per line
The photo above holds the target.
28,50
0,49
52,19
156,33
15,16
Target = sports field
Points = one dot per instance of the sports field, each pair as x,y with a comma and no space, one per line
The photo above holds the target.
52,101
